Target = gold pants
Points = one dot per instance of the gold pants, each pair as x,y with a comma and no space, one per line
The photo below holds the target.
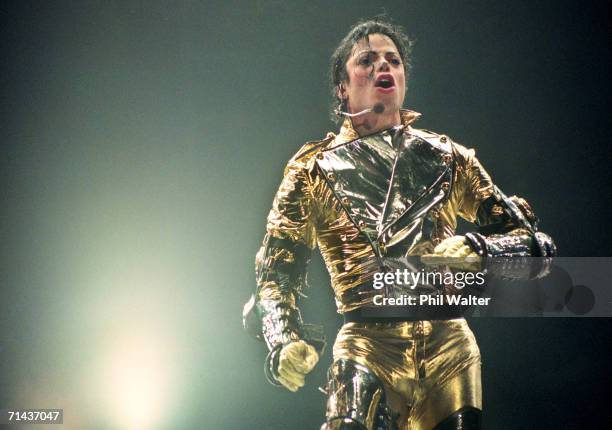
430,369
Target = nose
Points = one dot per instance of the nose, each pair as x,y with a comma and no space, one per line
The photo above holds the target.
384,65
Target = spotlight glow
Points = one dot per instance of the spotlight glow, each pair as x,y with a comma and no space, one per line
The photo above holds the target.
136,380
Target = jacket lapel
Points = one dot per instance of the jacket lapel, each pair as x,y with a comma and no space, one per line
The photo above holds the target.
387,182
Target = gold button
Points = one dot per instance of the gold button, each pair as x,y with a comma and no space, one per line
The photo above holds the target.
445,186
361,224
343,237
320,155
382,246
436,240
345,201
443,139
435,213
331,177
446,158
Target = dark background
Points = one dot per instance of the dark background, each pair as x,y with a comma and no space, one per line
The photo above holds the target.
142,143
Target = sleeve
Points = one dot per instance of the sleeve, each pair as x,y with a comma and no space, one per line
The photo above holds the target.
507,227
272,314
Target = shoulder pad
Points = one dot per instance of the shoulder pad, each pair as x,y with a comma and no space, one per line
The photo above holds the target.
313,146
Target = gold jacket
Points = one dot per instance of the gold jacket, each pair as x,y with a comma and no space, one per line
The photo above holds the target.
367,203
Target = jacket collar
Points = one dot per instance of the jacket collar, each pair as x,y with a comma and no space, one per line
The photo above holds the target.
348,133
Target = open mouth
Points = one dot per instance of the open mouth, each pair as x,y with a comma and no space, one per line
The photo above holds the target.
384,81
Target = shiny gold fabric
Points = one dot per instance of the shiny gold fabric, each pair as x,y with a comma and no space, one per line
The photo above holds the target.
430,368
306,211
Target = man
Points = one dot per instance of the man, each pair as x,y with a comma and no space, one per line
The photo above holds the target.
370,197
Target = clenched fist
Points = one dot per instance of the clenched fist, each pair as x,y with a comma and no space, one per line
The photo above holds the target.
454,252
295,361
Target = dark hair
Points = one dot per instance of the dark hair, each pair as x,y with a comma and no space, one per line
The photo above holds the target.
361,30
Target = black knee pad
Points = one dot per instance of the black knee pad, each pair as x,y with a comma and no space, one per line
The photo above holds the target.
356,399
464,419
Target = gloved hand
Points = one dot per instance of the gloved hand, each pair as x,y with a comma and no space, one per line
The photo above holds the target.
295,361
454,252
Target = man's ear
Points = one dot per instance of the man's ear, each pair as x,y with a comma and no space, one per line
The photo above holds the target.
341,92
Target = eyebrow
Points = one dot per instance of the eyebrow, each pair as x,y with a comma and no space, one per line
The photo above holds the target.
374,52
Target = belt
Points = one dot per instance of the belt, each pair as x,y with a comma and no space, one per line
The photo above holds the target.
372,315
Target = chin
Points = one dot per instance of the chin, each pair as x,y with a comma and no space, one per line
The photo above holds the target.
391,107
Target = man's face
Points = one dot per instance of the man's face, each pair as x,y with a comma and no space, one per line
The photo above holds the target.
375,75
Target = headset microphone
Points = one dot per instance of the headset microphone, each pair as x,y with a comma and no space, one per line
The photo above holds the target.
378,108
